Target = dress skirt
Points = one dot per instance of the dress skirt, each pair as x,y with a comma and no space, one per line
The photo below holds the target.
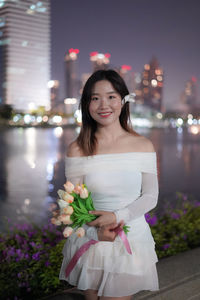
107,266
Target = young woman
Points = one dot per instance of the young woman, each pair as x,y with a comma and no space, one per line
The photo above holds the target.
119,168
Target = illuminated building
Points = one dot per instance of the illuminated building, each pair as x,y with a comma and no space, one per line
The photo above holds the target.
71,73
84,78
152,85
53,85
189,96
25,53
99,61
72,82
128,76
189,103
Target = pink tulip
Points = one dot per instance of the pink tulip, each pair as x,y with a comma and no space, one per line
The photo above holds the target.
67,231
65,196
68,198
83,193
62,204
69,187
65,219
77,189
68,210
55,221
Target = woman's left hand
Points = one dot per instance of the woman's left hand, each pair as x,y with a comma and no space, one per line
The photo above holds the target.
105,218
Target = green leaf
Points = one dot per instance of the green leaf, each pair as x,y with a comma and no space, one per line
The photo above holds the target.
82,205
126,229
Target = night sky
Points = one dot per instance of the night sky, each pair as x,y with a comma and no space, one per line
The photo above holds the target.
132,31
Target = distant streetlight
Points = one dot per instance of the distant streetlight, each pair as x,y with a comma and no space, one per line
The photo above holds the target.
70,101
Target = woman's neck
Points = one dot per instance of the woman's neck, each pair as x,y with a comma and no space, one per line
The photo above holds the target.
109,133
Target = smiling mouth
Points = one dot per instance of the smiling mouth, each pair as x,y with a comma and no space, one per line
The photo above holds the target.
105,114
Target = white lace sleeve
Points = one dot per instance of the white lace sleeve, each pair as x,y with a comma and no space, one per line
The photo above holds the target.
90,231
146,202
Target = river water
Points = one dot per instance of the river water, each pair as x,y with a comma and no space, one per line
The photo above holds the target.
32,168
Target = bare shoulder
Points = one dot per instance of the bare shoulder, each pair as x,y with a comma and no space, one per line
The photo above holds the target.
142,144
73,150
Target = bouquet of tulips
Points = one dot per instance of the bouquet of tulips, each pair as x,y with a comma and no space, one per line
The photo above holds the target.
74,204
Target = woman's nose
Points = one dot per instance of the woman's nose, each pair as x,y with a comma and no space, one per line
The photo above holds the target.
103,102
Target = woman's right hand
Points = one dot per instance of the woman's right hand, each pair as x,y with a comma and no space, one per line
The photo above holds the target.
107,233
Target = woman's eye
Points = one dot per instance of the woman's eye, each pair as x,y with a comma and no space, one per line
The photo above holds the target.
94,98
111,97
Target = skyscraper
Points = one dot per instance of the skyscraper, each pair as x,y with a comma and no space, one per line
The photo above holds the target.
99,61
152,84
128,76
25,53
71,73
53,85
189,95
72,82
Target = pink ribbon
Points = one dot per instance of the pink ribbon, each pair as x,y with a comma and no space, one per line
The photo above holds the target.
77,255
87,245
124,239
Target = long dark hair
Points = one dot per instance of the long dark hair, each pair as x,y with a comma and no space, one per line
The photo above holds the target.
86,140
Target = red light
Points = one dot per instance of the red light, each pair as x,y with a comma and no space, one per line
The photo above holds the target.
94,53
126,67
107,55
73,50
194,79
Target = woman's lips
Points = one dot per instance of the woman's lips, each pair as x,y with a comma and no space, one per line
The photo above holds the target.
105,115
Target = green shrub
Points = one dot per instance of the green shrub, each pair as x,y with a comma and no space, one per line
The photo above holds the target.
30,262
178,229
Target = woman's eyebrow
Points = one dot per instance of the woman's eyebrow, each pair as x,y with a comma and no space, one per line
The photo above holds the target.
111,92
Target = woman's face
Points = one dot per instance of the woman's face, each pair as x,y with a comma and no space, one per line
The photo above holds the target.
105,105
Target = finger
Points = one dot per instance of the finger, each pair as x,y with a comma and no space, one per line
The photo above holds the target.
112,226
96,212
121,224
118,227
113,235
93,223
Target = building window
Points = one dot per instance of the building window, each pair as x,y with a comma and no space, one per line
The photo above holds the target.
2,21
24,43
5,42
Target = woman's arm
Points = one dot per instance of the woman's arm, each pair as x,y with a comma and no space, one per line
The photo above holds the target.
144,203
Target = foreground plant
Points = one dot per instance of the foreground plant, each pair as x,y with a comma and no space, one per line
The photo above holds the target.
30,262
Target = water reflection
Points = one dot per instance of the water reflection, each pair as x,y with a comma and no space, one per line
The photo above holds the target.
32,167
179,142
30,148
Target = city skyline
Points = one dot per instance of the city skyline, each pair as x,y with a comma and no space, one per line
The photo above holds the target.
132,32
25,54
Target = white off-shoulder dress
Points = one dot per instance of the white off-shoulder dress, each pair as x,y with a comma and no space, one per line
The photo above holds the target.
124,183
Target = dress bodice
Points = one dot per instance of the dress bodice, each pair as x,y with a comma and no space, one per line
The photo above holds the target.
113,179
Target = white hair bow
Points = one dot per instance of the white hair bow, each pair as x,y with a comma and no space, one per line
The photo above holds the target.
129,98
